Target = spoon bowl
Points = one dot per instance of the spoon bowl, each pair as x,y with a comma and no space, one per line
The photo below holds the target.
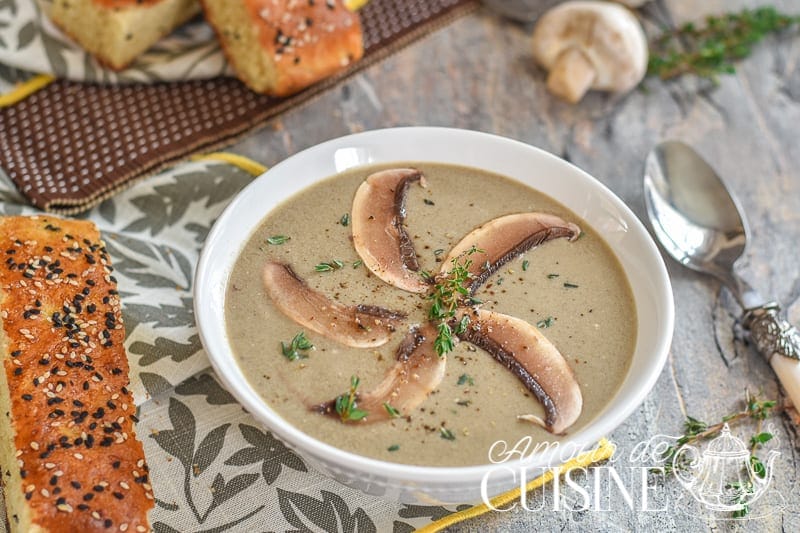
694,216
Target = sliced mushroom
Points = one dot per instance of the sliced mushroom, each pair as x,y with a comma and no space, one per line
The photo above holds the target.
359,326
416,373
379,234
501,239
533,359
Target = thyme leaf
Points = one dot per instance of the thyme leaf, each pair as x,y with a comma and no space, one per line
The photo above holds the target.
277,240
335,264
446,434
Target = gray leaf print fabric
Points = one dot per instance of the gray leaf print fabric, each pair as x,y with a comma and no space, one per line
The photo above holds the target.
213,467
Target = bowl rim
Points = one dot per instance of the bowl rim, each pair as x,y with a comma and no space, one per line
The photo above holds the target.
602,424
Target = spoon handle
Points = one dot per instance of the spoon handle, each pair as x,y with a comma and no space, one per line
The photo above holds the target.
779,342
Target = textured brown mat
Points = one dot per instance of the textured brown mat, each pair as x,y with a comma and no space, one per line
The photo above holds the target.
71,145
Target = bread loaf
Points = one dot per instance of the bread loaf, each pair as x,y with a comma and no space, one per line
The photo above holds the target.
117,31
280,47
70,459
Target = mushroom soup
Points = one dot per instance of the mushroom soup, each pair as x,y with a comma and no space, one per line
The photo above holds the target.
418,313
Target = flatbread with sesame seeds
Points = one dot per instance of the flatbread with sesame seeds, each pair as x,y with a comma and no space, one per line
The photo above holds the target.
69,454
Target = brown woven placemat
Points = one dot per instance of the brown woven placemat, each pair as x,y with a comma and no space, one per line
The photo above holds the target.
71,145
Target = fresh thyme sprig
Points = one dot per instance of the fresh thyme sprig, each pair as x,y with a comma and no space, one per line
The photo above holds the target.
696,430
448,293
298,344
345,404
711,49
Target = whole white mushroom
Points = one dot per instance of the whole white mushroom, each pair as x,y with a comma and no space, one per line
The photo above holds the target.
590,45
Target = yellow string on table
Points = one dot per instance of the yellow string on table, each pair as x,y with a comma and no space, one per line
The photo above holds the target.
25,89
604,450
245,163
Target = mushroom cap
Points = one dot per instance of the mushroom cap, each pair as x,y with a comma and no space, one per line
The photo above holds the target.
608,34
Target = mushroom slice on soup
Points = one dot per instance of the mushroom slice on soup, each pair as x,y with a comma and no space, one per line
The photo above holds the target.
417,371
359,326
530,356
379,234
490,246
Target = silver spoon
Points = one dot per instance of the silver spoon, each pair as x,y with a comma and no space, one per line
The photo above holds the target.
699,223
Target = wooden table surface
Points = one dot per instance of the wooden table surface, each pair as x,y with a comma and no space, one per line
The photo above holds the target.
478,74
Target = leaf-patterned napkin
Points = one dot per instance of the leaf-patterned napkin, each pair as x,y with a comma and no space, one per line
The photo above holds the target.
29,41
213,467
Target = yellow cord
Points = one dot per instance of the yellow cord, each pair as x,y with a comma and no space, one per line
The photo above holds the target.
246,164
604,450
25,89
355,5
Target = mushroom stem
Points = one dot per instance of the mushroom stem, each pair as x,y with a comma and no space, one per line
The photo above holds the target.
571,76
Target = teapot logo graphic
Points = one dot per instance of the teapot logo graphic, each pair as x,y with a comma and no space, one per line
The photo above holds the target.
722,477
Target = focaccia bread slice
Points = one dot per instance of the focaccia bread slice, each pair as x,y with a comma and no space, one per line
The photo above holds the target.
279,48
117,31
69,454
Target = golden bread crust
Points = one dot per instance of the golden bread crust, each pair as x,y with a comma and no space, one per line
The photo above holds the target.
75,464
299,42
115,32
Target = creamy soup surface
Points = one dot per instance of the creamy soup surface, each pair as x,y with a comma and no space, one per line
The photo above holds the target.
576,292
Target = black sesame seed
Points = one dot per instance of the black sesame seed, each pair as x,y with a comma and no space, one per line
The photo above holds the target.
88,496
75,484
134,418
23,473
27,397
107,523
18,371
118,495
16,353
141,479
85,385
28,495
83,507
115,464
44,455
98,488
77,403
54,481
90,282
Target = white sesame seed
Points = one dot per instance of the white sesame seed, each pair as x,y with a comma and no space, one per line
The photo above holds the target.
49,466
65,507
34,445
95,515
123,527
78,456
124,485
45,493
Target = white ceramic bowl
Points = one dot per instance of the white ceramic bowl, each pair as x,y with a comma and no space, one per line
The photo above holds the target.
574,188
